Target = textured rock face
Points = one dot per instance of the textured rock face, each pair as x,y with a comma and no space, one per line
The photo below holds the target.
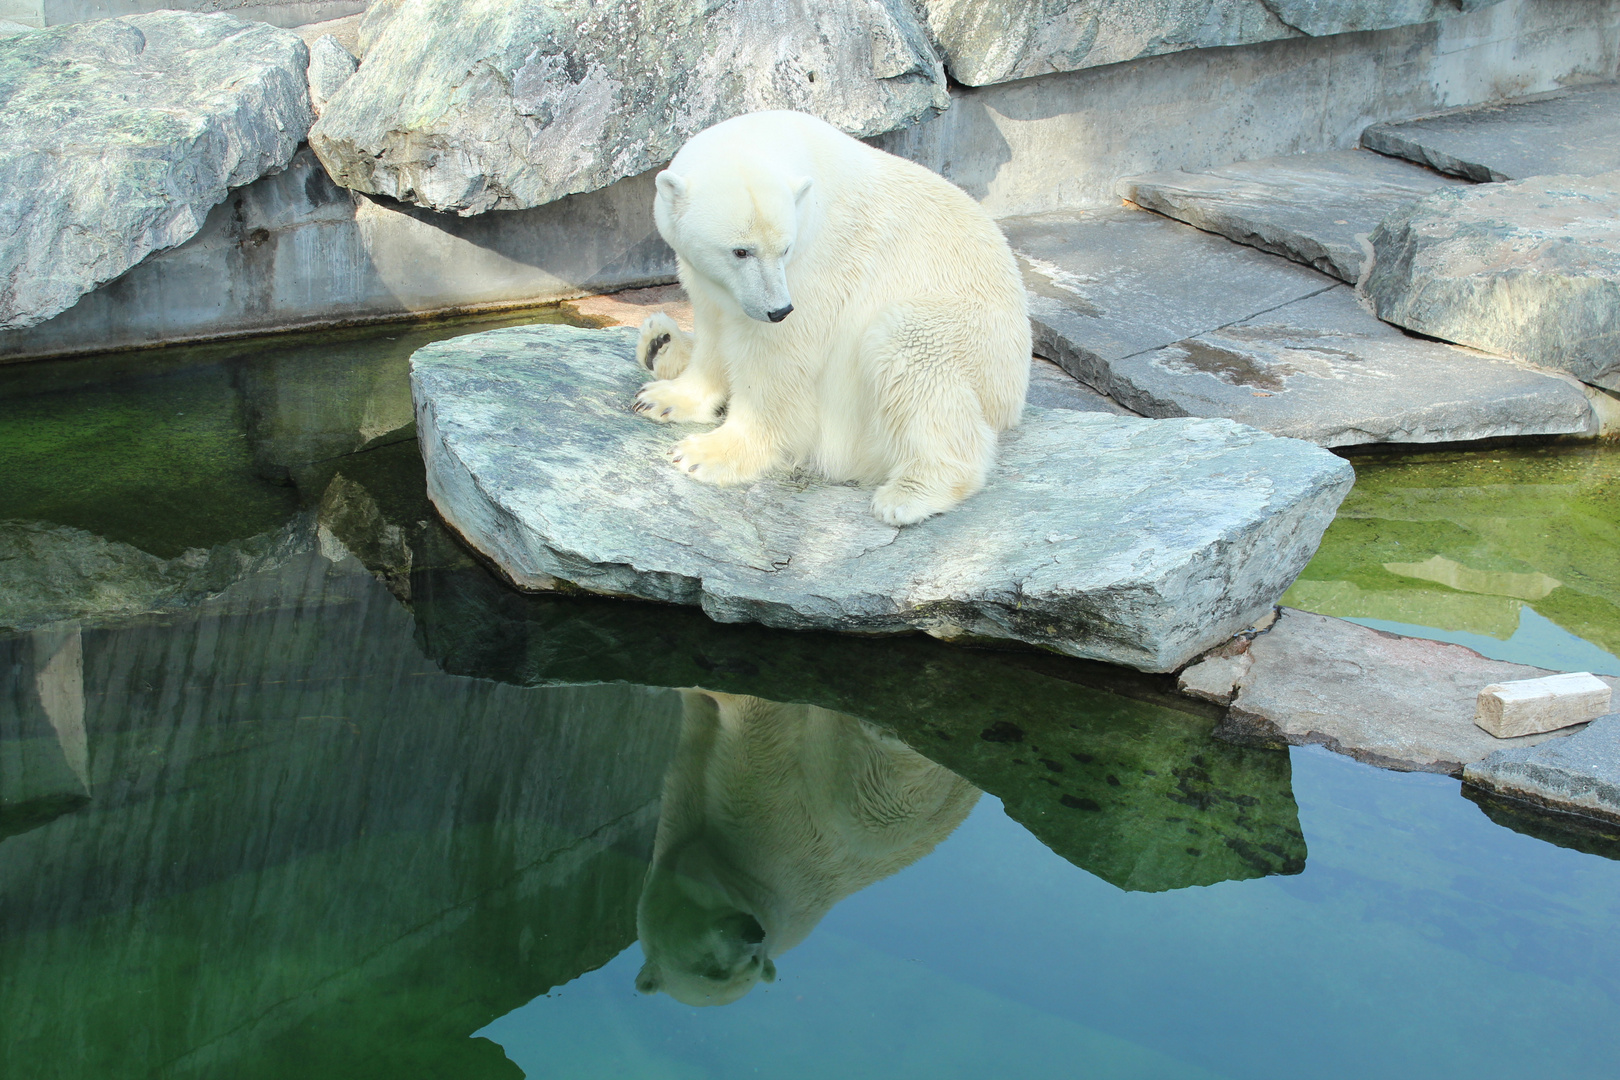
1323,369
1115,538
118,136
1016,39
330,66
1403,703
1529,270
465,106
1567,132
1579,774
1315,209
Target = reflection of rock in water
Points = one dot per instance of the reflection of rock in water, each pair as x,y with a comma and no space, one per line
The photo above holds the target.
1136,791
1593,836
771,815
309,851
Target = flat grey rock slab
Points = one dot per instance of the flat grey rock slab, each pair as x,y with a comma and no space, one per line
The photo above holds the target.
466,106
1574,131
1107,284
1529,270
1016,39
1399,702
1577,775
1050,387
1140,542
1316,209
1324,370
117,136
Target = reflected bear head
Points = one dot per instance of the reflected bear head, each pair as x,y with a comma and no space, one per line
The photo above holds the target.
701,947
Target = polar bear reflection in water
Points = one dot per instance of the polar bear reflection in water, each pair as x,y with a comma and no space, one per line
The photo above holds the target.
771,815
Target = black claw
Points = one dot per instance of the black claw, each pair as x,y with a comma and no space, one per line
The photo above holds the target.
653,348
666,412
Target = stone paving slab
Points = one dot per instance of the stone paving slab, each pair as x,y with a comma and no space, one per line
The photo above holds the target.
1577,775
1315,209
1324,370
1399,702
1529,270
1140,542
1107,284
1574,131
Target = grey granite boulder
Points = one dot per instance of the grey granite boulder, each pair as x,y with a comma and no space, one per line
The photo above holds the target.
1574,132
1015,39
1577,775
1401,702
1316,209
330,66
116,137
466,106
1325,370
1529,270
1116,538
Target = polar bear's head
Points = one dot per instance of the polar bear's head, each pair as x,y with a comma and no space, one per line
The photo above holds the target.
702,946
736,223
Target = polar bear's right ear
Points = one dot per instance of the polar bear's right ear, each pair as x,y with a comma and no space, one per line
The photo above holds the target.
801,188
671,186
650,980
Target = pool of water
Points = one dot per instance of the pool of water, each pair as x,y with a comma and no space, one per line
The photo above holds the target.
291,787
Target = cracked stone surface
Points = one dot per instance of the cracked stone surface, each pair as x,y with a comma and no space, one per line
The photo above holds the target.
1574,132
1315,209
118,136
1529,270
1141,542
1577,775
1324,370
1400,702
466,106
1107,284
1015,39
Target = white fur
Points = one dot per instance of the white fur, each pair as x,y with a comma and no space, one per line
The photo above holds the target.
771,815
907,349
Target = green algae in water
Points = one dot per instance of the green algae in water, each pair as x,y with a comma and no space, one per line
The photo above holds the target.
188,447
1466,543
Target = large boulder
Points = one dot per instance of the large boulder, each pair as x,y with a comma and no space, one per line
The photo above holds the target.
1015,39
116,137
1529,270
466,107
1115,538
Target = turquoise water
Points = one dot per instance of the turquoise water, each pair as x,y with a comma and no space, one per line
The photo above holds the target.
291,787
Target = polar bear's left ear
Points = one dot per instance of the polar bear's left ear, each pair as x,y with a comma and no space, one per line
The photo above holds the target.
801,188
768,971
671,186
650,980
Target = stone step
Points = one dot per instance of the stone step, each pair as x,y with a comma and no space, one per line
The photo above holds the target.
1529,269
1116,538
1172,321
1579,774
1315,209
1574,131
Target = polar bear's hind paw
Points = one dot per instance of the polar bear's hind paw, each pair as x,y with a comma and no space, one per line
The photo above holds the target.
906,502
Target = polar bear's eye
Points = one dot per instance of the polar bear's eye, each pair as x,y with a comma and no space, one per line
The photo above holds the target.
741,253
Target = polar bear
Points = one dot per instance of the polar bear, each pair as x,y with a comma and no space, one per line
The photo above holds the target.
771,815
853,314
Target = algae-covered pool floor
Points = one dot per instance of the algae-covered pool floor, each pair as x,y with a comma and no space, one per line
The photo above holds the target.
292,788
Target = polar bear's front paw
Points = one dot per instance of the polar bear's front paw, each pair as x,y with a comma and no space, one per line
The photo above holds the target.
717,457
663,348
904,502
673,401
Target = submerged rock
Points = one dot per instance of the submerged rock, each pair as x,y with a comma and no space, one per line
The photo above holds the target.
1116,538
1016,39
117,137
466,107
1529,270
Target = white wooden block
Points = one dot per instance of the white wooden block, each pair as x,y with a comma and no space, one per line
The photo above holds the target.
1529,706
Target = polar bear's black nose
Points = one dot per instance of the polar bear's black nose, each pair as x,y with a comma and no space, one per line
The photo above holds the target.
779,314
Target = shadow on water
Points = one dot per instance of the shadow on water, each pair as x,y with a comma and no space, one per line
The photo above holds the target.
291,786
